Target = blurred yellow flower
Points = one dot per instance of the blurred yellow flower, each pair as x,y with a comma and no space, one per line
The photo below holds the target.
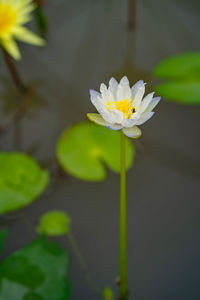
13,15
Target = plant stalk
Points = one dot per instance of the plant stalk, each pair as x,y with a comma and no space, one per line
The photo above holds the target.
123,287
77,251
13,72
131,14
82,263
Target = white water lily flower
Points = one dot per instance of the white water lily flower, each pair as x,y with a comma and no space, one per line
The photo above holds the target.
122,107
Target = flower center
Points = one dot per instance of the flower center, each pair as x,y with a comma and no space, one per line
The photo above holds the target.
8,19
125,106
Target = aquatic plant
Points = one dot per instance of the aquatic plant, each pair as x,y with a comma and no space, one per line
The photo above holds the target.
181,73
21,181
122,108
58,223
37,271
84,150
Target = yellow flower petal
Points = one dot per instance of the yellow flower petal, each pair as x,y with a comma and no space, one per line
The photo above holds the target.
11,47
27,36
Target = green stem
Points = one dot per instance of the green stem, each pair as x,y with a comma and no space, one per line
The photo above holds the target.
82,263
77,251
123,226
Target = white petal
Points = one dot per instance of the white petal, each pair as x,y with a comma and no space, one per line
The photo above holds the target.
123,90
113,85
144,117
100,106
114,126
107,116
107,95
138,92
96,99
136,115
103,88
117,116
97,118
94,93
124,81
145,102
152,104
133,132
129,122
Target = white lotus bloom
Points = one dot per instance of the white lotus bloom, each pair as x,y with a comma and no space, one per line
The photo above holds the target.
122,107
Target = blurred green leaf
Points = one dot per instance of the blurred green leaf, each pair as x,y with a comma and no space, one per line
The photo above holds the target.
185,65
36,272
108,293
183,71
10,290
3,235
21,181
54,223
182,92
85,149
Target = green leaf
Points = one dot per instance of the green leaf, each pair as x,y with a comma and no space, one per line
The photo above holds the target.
21,181
3,235
54,223
86,148
10,290
186,65
36,272
182,92
41,20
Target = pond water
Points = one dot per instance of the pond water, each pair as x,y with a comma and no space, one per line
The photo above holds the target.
88,42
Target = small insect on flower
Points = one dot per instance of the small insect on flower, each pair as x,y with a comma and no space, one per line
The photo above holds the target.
13,15
122,107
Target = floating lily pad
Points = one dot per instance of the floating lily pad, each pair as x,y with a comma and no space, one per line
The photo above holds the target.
183,92
185,65
183,71
36,272
21,181
85,149
54,223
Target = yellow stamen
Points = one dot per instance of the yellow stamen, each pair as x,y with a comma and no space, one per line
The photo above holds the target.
124,106
8,19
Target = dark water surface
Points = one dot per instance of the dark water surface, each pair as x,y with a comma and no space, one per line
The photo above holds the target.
87,44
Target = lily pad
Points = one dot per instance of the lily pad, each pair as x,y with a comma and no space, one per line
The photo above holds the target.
54,223
182,92
185,65
183,71
21,181
38,271
85,149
